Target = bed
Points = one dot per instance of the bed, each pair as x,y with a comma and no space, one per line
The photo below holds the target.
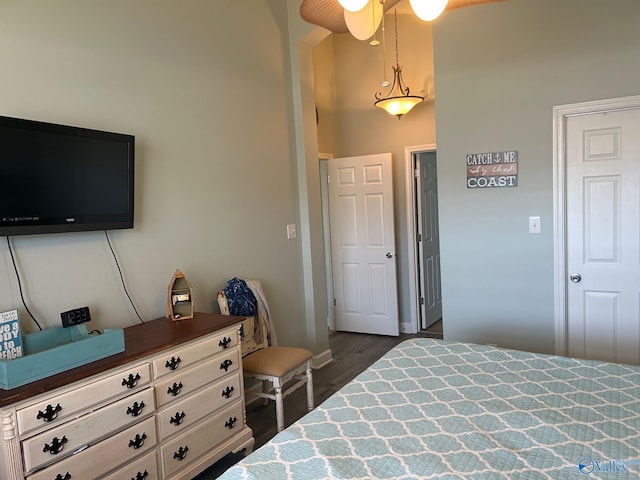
435,409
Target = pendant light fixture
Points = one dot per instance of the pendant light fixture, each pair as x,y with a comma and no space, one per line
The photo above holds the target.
399,100
353,5
428,10
364,23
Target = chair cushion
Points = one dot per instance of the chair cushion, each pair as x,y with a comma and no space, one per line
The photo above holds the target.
275,361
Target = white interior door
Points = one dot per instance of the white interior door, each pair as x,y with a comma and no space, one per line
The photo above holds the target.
603,236
428,238
363,244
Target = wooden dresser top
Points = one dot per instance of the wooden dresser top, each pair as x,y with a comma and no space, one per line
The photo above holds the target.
140,340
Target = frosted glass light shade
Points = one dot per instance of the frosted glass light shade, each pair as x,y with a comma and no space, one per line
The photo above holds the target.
398,106
364,23
353,5
428,10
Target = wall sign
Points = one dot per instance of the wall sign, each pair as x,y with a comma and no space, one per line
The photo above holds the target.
497,169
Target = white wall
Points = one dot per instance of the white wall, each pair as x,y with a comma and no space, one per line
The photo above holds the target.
500,68
325,95
206,90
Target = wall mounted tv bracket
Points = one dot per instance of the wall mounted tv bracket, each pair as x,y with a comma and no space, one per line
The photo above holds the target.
75,316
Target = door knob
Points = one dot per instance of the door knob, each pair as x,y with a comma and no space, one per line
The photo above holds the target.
389,255
575,277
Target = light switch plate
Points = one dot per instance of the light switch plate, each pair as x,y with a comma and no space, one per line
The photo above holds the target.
291,231
534,224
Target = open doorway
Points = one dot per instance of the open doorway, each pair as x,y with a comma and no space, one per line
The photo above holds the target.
424,314
422,224
423,248
427,239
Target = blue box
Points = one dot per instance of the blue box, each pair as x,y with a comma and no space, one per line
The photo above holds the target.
56,350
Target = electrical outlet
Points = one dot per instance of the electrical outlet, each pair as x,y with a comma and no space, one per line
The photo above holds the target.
291,231
75,316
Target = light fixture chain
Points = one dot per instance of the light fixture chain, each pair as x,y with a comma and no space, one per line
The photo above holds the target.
384,48
395,18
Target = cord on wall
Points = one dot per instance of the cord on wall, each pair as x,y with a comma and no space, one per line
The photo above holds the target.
124,286
15,268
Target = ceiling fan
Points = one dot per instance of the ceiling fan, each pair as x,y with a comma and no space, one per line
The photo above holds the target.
330,14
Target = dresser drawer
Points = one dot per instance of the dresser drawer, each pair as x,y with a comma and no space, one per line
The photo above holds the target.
184,357
71,402
104,456
200,439
177,418
145,468
182,383
62,441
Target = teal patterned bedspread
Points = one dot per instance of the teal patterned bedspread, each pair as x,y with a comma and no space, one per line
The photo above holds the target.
434,409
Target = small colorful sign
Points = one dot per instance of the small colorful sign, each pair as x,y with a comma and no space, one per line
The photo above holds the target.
10,335
497,169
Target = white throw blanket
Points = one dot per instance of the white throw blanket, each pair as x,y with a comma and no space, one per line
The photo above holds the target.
263,311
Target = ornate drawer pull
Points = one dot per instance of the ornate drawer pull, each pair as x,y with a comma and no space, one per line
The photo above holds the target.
67,476
178,418
57,444
135,409
175,389
138,442
50,413
225,342
226,364
141,476
227,392
181,453
132,381
231,422
173,363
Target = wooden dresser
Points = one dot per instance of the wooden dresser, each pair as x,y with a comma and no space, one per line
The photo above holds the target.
168,407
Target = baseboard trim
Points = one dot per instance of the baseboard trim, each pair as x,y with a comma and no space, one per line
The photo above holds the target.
322,359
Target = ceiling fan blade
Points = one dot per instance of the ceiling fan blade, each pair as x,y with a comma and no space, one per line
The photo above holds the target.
330,15
467,3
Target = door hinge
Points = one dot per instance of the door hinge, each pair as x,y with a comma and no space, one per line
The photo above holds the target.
421,300
334,302
419,237
416,172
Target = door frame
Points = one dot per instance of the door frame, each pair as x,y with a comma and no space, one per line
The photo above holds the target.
560,115
323,159
412,254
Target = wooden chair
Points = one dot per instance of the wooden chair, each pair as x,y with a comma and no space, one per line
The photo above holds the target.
285,368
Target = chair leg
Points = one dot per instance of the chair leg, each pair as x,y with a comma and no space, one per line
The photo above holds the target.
279,408
309,387
265,389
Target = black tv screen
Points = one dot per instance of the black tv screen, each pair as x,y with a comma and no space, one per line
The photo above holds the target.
57,178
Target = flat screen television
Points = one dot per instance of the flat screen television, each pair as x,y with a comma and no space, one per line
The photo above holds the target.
57,178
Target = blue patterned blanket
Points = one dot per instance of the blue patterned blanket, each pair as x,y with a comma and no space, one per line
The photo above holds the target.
433,409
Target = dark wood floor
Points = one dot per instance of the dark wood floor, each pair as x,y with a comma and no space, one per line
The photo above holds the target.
352,353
